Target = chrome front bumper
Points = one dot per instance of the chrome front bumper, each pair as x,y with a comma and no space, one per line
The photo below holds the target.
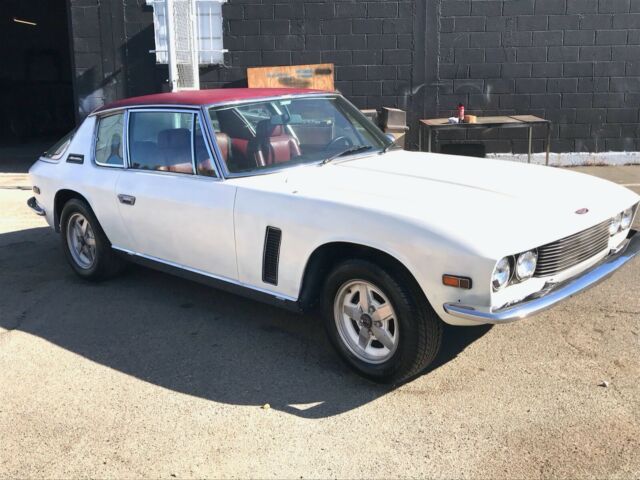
32,203
552,294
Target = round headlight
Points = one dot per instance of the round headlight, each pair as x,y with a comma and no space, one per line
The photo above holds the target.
526,264
501,274
614,226
627,216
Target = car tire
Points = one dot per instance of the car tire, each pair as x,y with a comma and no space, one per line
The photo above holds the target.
85,244
398,312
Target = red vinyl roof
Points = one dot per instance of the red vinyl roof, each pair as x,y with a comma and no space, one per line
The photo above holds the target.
205,97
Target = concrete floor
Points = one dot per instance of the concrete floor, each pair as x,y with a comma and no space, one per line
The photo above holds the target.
18,158
149,375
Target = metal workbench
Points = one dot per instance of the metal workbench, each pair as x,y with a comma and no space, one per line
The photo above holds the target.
513,121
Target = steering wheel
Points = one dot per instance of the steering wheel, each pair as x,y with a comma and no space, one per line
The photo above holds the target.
336,141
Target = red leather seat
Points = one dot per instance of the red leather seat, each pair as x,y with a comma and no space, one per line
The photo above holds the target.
204,163
272,145
224,145
239,146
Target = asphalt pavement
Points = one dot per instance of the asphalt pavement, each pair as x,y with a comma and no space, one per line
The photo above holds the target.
149,375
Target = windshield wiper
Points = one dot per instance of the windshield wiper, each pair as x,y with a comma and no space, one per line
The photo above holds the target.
348,151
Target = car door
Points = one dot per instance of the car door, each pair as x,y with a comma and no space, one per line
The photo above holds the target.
98,183
171,197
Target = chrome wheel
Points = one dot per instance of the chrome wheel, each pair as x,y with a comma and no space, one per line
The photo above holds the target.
81,241
366,321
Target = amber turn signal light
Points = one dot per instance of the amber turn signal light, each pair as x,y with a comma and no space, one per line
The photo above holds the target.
455,281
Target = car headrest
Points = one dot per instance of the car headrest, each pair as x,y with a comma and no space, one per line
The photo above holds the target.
265,129
144,154
174,138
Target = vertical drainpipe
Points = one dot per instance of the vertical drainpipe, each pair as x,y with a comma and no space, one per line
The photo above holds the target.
171,50
72,65
194,45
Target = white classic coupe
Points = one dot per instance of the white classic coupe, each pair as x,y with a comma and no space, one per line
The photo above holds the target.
295,198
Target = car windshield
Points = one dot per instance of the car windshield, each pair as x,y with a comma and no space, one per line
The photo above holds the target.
277,133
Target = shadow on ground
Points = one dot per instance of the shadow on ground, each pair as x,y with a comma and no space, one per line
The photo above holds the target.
182,335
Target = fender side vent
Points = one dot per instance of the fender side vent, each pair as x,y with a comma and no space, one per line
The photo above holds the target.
271,255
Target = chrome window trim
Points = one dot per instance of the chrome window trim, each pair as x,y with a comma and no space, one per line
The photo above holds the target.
208,143
95,141
271,98
163,173
170,109
221,165
193,144
57,158
63,152
111,111
125,151
207,105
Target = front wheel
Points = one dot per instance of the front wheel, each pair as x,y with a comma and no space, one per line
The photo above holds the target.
379,321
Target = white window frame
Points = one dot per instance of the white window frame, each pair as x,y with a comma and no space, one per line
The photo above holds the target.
208,26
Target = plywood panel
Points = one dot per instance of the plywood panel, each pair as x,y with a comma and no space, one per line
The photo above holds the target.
319,76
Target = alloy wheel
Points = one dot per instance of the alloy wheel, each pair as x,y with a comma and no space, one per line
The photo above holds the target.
81,241
366,321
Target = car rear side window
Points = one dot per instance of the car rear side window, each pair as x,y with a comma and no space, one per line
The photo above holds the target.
161,141
109,141
61,146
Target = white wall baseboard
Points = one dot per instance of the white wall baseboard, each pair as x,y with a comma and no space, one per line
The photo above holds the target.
574,159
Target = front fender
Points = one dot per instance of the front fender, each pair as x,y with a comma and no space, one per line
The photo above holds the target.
308,223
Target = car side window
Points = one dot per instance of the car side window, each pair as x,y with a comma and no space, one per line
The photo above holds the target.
161,141
109,141
61,146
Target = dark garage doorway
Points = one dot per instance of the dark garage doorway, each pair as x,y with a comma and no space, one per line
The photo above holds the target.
36,92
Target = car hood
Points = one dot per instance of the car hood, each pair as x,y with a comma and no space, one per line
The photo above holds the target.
498,207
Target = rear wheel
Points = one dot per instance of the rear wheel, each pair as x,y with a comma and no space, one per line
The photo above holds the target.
86,247
379,321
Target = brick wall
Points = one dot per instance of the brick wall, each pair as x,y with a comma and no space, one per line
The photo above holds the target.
575,62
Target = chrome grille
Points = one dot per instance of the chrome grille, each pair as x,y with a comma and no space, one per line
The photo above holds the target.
567,252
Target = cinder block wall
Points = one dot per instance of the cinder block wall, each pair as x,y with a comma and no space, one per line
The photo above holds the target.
371,44
576,62
110,41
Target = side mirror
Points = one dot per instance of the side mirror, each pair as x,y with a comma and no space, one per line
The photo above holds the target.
390,137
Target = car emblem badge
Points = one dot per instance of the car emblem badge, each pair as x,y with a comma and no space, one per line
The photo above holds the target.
582,211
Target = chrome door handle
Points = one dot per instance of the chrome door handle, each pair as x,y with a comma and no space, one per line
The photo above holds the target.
127,199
